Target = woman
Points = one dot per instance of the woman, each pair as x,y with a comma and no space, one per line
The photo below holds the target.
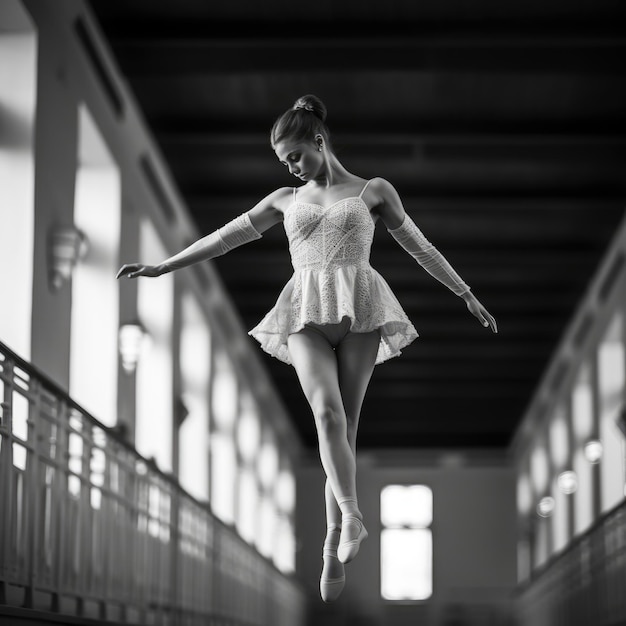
337,317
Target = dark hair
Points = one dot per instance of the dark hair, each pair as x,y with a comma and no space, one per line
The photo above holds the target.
305,119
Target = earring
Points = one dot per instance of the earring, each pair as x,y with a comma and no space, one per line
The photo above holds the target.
320,149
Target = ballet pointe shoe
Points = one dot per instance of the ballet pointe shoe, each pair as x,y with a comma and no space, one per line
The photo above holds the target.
331,588
349,548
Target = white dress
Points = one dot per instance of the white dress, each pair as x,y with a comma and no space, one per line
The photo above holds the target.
330,251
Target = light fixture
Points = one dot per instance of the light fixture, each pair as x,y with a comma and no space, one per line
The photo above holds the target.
545,508
568,482
130,338
66,246
593,451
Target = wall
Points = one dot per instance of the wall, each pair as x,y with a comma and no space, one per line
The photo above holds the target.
473,534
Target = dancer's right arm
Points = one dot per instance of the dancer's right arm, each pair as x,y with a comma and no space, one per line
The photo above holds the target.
243,229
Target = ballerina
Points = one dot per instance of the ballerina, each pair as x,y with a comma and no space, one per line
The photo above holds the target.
337,317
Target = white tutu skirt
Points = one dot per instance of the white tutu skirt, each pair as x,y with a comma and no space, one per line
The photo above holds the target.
359,293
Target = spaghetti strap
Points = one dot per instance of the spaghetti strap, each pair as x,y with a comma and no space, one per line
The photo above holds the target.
365,187
294,194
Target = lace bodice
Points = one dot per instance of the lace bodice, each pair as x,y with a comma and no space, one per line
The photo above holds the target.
333,280
322,238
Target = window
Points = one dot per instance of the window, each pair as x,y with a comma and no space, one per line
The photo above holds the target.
583,430
224,469
155,303
406,545
612,379
95,291
195,366
18,78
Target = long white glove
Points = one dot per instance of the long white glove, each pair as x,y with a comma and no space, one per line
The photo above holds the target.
233,234
411,238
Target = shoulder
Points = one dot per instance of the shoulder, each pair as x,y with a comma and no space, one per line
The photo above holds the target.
280,199
271,209
380,188
385,202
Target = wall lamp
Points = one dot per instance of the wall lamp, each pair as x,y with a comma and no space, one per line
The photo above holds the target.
66,246
545,508
130,338
593,451
568,482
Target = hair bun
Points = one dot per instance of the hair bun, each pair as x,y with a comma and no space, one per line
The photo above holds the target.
312,104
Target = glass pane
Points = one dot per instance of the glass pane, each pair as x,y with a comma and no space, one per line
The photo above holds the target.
539,468
248,430
266,527
582,408
559,440
285,493
195,356
406,505
268,464
155,301
406,564
223,476
18,101
285,553
247,508
612,377
224,403
97,213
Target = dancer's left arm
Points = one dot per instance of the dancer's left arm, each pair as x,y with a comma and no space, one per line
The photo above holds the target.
404,230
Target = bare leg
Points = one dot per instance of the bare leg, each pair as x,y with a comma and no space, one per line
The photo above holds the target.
355,358
323,372
315,363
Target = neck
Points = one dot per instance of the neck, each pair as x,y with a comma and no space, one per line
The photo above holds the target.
333,174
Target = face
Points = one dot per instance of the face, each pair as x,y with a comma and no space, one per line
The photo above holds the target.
303,158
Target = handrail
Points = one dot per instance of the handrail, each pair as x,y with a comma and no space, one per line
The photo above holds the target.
86,520
585,583
553,560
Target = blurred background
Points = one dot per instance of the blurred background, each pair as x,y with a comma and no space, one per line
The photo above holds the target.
157,467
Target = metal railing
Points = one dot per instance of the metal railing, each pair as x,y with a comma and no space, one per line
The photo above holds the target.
586,584
89,527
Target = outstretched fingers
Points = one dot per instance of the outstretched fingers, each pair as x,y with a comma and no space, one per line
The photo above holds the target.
129,270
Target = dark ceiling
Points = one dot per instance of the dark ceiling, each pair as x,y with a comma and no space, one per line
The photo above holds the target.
503,126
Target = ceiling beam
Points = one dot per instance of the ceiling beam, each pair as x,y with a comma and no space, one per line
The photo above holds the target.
526,135
158,48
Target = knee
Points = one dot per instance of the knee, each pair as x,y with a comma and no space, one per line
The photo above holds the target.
330,422
352,424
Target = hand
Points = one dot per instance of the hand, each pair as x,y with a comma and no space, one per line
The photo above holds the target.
133,270
479,311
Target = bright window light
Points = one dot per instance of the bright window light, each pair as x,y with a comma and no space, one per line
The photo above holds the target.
267,527
559,439
248,496
223,477
524,495
582,407
612,379
285,552
154,422
18,80
224,405
403,505
406,513
195,358
406,564
286,492
95,291
268,464
248,431
539,467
